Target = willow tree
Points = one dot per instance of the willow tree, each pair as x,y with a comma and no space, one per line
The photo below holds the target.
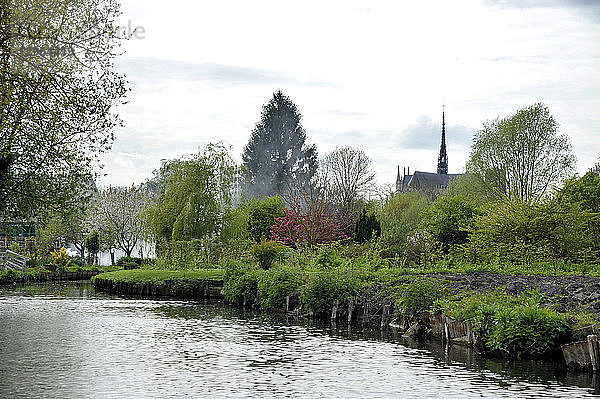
198,190
277,158
522,155
58,90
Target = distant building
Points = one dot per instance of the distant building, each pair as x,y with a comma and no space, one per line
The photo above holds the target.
431,184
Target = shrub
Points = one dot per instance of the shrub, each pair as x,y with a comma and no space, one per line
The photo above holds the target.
128,260
323,287
241,282
235,225
518,325
400,218
267,252
306,227
60,258
449,219
327,257
524,232
367,227
421,294
261,216
278,283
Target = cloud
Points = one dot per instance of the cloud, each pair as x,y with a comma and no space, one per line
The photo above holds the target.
153,69
589,8
425,134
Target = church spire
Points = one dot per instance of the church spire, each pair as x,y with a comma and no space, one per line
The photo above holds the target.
442,167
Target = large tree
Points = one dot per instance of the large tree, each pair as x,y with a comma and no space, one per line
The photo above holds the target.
346,179
521,155
119,216
198,191
277,158
58,90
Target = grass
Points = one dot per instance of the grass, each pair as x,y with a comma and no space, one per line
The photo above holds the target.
157,276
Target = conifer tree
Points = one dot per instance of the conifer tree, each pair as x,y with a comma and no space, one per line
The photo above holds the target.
276,157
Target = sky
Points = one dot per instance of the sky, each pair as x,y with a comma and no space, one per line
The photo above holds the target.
371,74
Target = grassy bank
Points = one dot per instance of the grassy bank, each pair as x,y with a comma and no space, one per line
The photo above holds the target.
38,274
144,276
162,283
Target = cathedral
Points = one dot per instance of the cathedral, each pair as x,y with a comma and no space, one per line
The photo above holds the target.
430,183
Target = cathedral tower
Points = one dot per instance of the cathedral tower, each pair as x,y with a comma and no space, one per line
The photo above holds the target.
442,166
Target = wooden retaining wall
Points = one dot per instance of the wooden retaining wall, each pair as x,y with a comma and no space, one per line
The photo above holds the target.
192,289
55,276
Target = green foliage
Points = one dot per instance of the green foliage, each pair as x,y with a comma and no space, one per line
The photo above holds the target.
57,109
524,232
261,216
276,157
519,326
521,156
241,282
401,217
324,286
92,242
267,252
198,191
421,293
60,258
366,227
191,254
585,191
276,284
235,226
449,219
128,259
327,257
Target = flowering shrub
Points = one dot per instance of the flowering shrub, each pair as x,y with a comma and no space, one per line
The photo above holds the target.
61,258
301,228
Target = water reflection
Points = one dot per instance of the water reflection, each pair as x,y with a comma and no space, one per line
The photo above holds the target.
64,340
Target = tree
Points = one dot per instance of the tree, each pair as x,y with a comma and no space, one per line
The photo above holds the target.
349,175
92,244
366,226
261,216
347,178
119,216
585,191
522,155
198,191
57,92
276,157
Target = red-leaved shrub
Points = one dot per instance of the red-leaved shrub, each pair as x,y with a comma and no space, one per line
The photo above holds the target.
306,227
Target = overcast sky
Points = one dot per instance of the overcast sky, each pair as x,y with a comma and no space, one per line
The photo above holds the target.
371,74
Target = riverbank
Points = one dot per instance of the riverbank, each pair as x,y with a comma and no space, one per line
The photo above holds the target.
40,276
206,283
499,314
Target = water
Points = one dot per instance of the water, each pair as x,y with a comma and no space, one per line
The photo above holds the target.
65,341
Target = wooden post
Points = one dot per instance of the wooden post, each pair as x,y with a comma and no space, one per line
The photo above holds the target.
334,309
350,310
311,312
365,318
287,304
385,315
594,352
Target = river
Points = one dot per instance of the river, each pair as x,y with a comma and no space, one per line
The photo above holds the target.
63,340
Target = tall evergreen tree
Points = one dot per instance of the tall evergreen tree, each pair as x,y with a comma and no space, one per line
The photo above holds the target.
276,157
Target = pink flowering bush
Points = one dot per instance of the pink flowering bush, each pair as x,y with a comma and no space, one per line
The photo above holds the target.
304,228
